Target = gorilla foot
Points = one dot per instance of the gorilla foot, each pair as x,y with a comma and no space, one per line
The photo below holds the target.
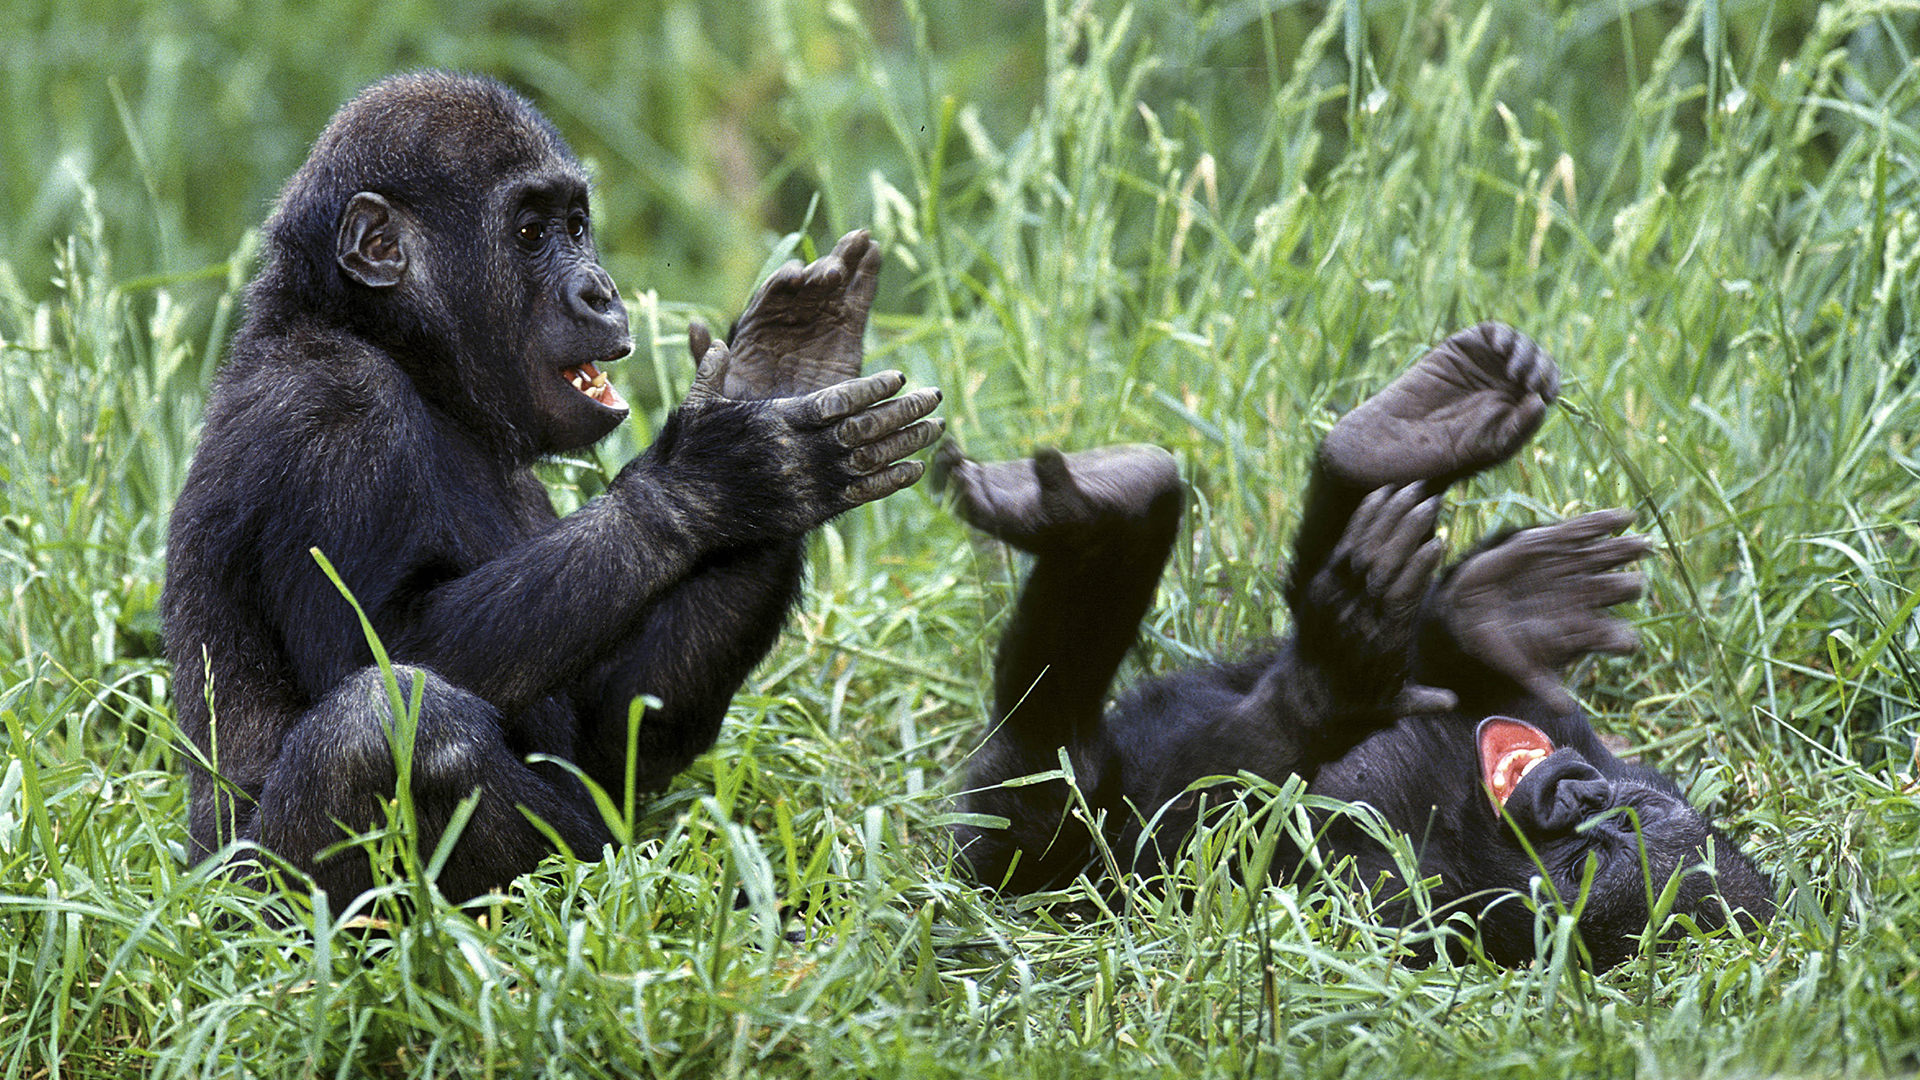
1060,502
1471,402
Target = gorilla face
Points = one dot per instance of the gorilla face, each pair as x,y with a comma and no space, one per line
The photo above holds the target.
1492,809
576,319
1626,822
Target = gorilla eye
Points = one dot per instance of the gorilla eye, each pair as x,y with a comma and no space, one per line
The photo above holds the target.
532,232
577,227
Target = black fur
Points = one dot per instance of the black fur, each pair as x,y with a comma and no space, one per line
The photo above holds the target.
429,276
1380,694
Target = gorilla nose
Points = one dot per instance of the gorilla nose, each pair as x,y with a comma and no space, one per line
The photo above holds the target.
594,299
1559,793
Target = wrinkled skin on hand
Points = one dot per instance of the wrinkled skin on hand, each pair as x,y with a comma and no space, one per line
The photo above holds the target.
821,454
1361,610
1469,403
804,329
1535,602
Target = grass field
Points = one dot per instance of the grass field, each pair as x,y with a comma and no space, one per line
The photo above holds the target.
1207,226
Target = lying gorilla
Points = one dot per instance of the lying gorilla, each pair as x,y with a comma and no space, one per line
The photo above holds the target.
1437,703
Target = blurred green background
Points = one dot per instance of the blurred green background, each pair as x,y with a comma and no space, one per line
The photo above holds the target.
713,125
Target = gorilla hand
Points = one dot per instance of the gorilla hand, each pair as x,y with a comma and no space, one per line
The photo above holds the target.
1471,402
746,471
804,329
1531,604
1361,609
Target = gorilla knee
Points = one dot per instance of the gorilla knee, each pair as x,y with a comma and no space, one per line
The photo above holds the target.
451,732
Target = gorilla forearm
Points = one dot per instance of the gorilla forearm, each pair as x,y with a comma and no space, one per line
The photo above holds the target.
536,618
692,649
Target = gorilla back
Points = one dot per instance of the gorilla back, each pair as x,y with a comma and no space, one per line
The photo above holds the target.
430,319
1439,703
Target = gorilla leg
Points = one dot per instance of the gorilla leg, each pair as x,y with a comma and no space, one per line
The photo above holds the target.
1100,524
457,749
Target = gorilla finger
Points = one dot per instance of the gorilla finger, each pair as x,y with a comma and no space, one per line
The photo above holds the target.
1593,525
699,339
1365,547
1406,523
1594,635
1349,550
844,399
1528,365
862,287
1541,376
1410,586
879,485
854,248
1372,508
908,440
1613,552
1486,346
887,417
1615,637
868,273
1580,542
785,276
1606,590
711,374
825,273
1529,412
1415,699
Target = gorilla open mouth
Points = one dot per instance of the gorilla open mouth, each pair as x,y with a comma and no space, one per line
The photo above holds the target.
1509,749
588,379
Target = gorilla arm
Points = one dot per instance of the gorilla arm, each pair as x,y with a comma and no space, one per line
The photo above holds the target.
722,476
802,331
1345,672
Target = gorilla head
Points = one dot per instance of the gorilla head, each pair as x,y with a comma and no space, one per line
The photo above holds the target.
442,218
1514,804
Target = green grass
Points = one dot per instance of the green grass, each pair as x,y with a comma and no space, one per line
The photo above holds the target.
1210,227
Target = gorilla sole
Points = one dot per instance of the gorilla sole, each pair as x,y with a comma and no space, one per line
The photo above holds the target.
431,319
1438,702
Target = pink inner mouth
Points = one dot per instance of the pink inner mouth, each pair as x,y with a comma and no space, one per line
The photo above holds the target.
1509,750
591,381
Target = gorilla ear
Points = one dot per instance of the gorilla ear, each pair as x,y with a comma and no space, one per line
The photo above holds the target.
372,245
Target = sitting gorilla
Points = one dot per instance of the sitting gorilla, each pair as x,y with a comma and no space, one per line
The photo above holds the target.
1437,703
429,322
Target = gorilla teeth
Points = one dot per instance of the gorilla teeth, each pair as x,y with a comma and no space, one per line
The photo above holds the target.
591,381
579,378
1512,768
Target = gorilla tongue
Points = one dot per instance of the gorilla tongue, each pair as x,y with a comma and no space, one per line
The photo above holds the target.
1509,749
590,381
